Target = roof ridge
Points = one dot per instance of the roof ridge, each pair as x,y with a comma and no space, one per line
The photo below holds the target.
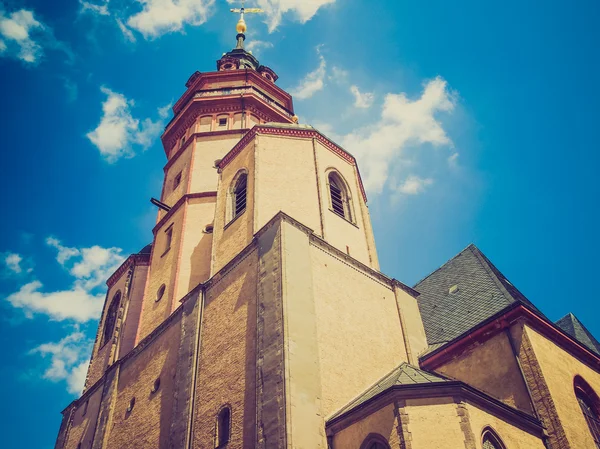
445,263
489,268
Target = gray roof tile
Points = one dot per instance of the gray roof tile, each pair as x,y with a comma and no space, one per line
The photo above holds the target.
572,326
404,374
482,292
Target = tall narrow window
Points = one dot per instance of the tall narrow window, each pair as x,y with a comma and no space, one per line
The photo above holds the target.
340,201
223,427
588,402
111,318
177,181
182,142
239,195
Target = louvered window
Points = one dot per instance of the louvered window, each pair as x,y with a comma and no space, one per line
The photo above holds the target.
239,195
339,197
590,414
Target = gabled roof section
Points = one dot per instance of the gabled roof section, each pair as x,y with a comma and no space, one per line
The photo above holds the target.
404,374
572,326
464,292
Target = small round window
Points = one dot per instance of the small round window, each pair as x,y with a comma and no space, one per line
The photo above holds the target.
160,293
208,229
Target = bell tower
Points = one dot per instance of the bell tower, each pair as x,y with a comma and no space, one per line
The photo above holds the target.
259,309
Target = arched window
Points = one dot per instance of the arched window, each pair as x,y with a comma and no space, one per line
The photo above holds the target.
239,195
223,427
374,441
589,404
339,196
491,440
111,318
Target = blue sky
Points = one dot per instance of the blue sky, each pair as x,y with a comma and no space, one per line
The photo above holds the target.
472,122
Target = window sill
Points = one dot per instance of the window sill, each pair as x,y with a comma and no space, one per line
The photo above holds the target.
234,219
166,251
343,218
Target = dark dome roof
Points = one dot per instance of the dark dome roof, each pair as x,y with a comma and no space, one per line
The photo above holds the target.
146,249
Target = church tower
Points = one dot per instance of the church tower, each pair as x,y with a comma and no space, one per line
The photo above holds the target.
258,309
258,317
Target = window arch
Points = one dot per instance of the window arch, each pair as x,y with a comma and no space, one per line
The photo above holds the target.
374,441
223,427
238,194
491,440
110,321
339,196
590,406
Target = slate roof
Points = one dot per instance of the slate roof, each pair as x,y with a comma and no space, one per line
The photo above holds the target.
404,374
572,326
482,292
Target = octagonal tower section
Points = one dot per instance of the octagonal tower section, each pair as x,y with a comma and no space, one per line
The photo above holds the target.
210,118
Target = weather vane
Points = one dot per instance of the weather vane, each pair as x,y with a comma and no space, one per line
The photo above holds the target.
241,25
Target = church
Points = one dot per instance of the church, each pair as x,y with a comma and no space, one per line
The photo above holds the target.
258,316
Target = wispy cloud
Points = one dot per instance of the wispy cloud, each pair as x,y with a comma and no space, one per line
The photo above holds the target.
302,10
313,81
257,46
100,8
118,134
403,122
82,301
68,360
158,17
453,160
12,261
127,33
17,30
414,185
362,100
24,37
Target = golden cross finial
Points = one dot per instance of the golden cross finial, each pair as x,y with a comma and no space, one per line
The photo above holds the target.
241,25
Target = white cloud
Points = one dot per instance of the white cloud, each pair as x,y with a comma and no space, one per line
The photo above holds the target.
257,46
303,10
92,265
68,360
453,160
312,82
380,146
95,8
158,17
127,33
82,302
165,111
16,31
362,100
13,262
76,304
414,185
118,131
338,75
64,252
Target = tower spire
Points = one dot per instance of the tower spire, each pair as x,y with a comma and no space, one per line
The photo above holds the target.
241,25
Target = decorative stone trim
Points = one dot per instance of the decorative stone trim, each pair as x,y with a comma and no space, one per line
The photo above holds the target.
184,199
541,396
465,424
402,421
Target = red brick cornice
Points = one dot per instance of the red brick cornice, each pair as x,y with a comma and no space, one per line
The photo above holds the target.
303,133
504,320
